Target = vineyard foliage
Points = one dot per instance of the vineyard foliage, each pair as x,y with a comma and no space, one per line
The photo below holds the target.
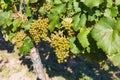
87,27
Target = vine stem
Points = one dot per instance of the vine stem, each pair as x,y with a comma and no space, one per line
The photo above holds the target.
37,64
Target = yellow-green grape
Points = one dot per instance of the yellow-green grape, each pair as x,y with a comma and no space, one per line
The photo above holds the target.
67,22
61,46
70,33
19,38
47,6
39,29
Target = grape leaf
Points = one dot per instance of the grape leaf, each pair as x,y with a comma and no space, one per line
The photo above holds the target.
115,59
111,12
54,22
109,3
33,1
28,11
61,8
92,3
117,2
76,22
16,24
107,37
73,47
83,20
76,6
82,37
26,47
4,17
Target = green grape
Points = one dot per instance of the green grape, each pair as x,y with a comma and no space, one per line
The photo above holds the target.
61,45
19,38
47,6
39,29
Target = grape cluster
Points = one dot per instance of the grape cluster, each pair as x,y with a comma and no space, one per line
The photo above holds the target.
19,38
61,45
66,24
47,6
39,29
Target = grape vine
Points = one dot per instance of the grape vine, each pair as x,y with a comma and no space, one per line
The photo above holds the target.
71,26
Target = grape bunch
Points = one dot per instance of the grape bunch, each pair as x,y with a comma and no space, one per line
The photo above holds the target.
19,38
47,6
61,45
39,29
66,24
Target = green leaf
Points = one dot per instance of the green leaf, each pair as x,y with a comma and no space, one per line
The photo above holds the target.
4,17
28,11
106,36
73,47
76,6
92,3
114,11
115,59
42,10
54,22
61,8
65,0
16,24
57,2
82,37
111,12
27,25
117,2
83,20
33,1
109,3
118,25
11,35
76,22
26,47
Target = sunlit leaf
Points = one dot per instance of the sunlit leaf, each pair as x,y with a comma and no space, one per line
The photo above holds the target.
16,24
76,6
26,47
54,22
82,37
33,1
92,3
28,11
115,59
117,2
73,47
76,22
83,20
61,8
106,36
